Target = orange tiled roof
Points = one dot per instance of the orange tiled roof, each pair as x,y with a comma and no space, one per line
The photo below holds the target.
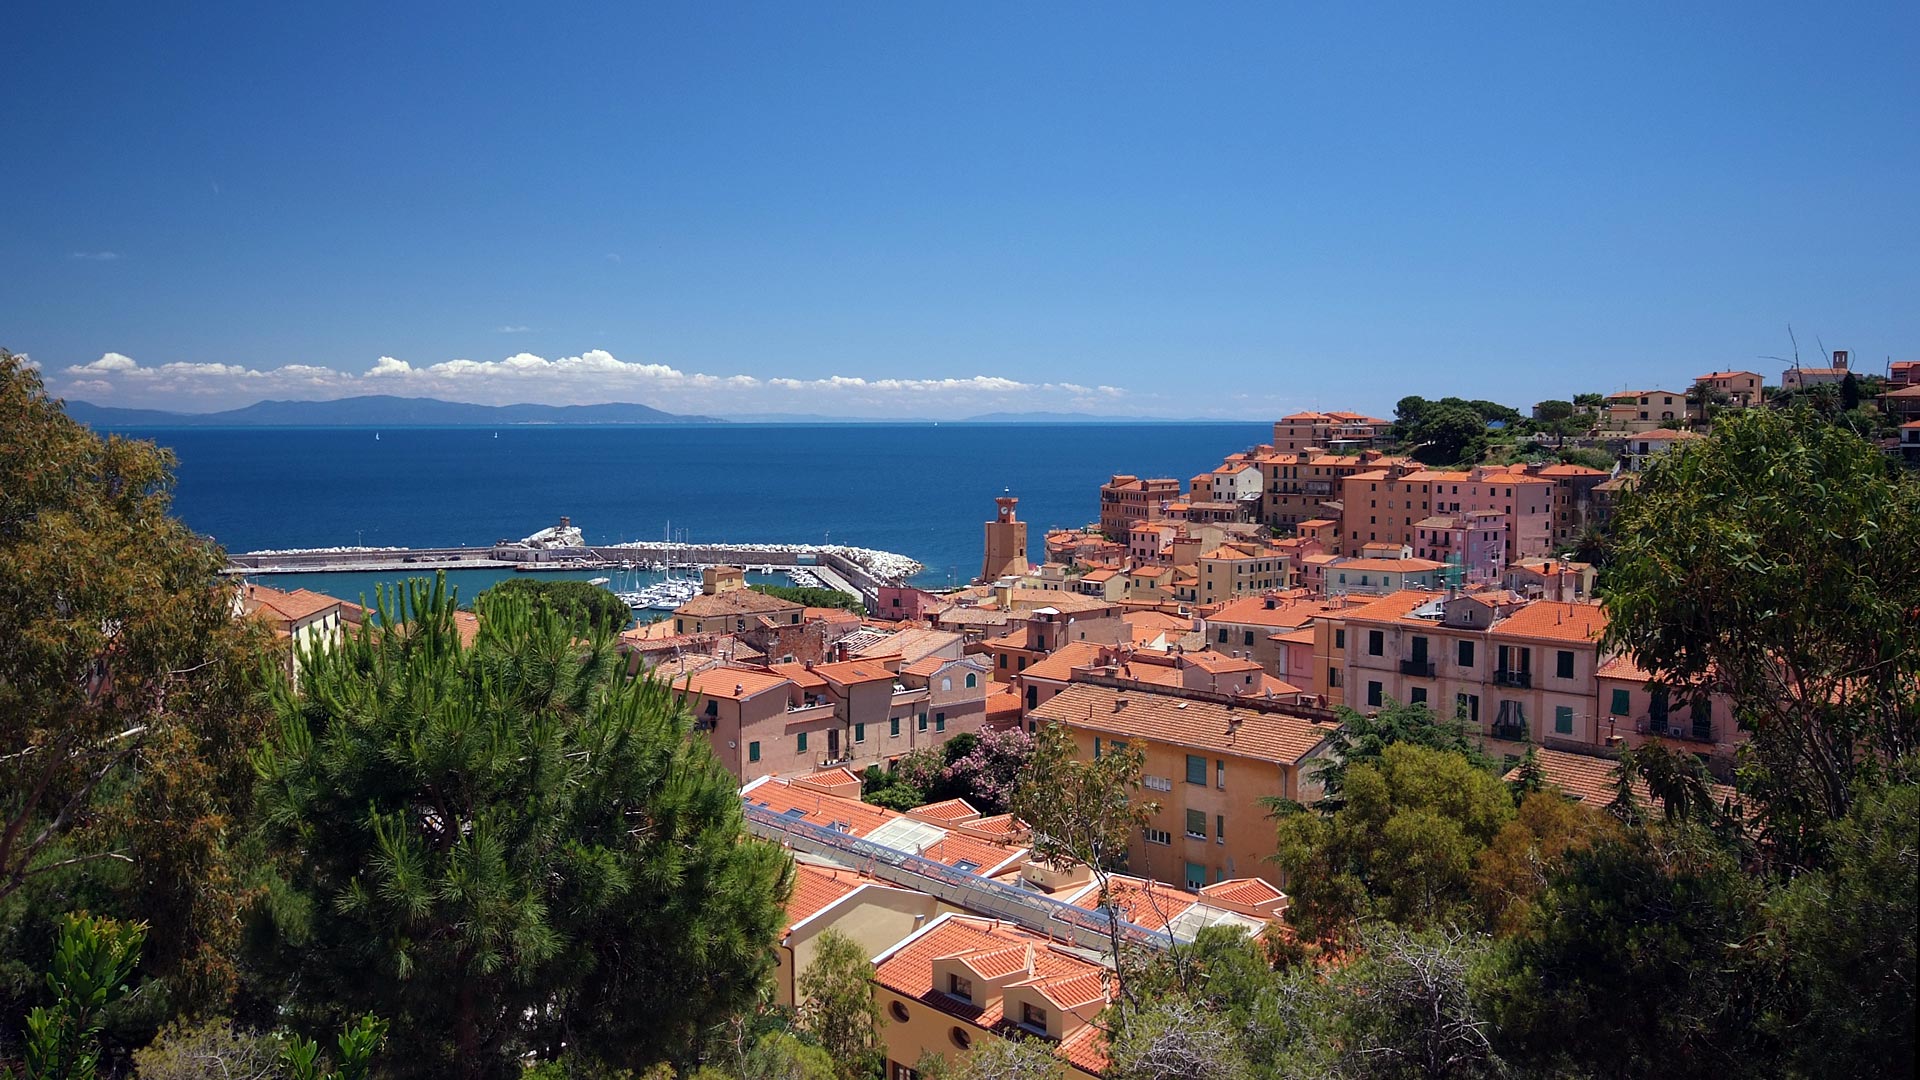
854,672
1554,620
907,970
820,808
799,673
290,606
1223,729
735,684
951,811
1059,665
1247,892
1664,435
815,888
735,602
1590,780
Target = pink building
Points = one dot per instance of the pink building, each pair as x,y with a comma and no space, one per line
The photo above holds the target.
1473,542
1386,505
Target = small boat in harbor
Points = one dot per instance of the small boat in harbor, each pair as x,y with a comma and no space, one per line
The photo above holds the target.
598,581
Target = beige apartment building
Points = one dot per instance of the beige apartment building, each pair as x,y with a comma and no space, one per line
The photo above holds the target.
1126,499
1298,485
1234,570
1208,765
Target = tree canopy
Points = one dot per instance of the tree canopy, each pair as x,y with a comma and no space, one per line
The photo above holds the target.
508,848
576,602
1767,563
127,706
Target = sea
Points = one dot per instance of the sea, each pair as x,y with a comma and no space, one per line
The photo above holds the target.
922,490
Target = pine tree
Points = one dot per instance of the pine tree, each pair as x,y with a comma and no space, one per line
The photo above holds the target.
508,848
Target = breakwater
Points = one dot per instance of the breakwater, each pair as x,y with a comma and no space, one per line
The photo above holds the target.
859,570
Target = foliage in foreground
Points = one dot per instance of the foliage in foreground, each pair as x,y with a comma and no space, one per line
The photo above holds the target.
576,602
506,848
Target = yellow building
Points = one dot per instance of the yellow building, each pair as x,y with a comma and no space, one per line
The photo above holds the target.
963,981
874,914
1234,570
1208,765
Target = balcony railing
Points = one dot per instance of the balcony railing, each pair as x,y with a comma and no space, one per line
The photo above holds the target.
1671,728
1512,730
1521,679
1422,668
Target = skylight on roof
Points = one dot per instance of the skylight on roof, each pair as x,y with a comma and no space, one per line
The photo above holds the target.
906,834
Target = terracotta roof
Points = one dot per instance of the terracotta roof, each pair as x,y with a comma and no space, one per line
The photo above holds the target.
1903,392
1247,892
1059,665
907,970
736,602
1391,607
854,672
1663,435
1302,636
998,824
861,819
1571,470
928,667
913,644
290,606
948,810
1553,620
1711,375
1396,566
467,625
1218,662
737,684
1590,780
815,888
1223,729
1004,703
801,674
838,780
829,615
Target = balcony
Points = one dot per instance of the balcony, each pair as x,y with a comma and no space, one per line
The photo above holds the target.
1511,730
1519,679
800,714
1421,668
1667,727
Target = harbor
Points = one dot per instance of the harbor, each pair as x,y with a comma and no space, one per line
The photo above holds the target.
561,548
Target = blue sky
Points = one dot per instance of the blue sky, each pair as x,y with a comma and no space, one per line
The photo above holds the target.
898,209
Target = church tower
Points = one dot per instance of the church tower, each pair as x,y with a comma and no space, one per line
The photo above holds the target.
1006,543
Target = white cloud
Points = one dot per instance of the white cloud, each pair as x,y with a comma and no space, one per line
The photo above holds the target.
112,361
513,329
591,376
96,256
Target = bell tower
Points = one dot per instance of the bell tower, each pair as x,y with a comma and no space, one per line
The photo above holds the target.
1006,543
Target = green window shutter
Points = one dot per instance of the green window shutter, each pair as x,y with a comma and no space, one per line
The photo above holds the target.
753,751
1196,770
893,727
923,721
802,747
1622,702
859,733
1563,664
1197,823
1096,748
939,721
1563,719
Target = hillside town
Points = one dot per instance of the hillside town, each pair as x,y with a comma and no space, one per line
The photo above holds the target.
1223,627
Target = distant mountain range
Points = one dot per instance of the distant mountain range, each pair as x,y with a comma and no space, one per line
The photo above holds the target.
388,411
380,411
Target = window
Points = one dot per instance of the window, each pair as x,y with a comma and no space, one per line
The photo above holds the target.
679,626
1563,664
1219,828
939,721
1373,693
893,728
1157,836
1196,876
1096,748
946,685
1417,695
1156,783
1466,654
1223,635
1196,769
1333,675
899,1012
1197,824
961,1040
960,986
1246,637
1376,643
802,743
1563,719
1033,1016
753,751
1622,702
1220,775
1340,639
972,680
859,733
1467,707
1003,660
923,721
